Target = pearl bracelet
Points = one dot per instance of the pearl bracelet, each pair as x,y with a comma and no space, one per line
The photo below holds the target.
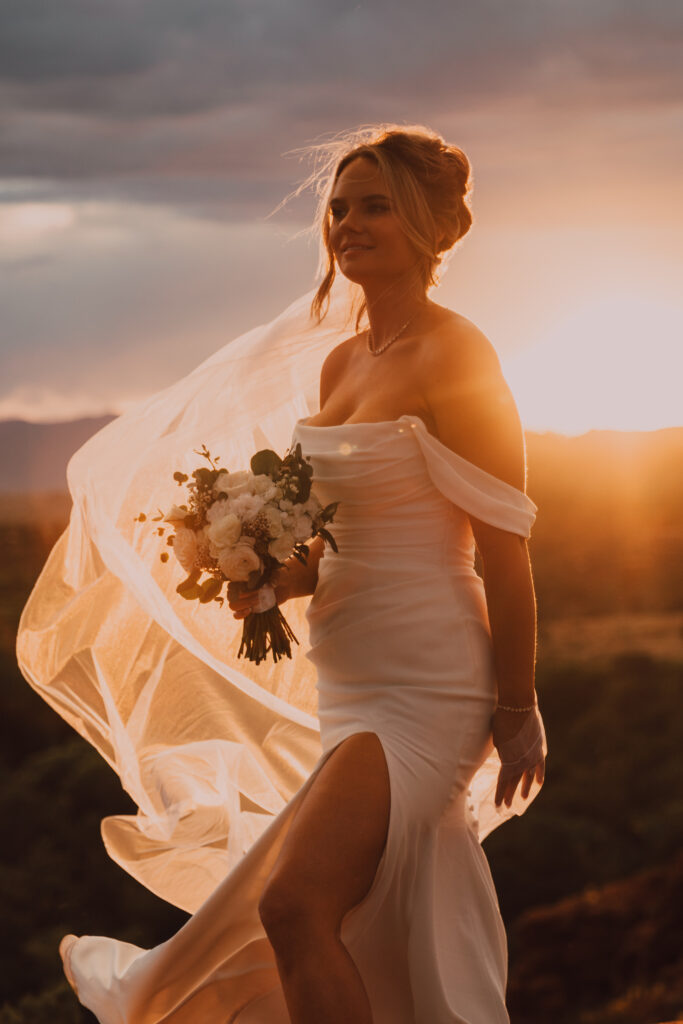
502,707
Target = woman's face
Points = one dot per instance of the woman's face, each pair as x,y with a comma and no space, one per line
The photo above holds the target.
366,237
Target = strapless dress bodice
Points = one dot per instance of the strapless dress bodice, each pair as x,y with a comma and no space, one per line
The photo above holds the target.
401,490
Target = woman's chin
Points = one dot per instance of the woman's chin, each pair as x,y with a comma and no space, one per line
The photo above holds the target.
353,270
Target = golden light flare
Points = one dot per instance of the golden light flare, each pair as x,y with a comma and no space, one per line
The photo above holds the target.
615,363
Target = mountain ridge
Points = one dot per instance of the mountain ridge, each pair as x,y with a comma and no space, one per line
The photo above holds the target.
34,456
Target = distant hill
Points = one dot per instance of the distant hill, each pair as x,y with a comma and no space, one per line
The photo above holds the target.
33,456
609,532
608,538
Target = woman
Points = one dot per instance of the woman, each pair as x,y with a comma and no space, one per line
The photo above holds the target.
368,897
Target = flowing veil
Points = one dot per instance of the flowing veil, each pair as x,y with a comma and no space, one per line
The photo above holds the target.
208,746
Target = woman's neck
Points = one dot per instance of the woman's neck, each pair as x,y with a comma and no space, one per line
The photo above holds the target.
389,308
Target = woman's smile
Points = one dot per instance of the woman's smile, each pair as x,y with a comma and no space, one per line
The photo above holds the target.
354,248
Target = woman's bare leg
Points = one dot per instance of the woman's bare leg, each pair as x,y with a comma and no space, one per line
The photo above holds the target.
325,868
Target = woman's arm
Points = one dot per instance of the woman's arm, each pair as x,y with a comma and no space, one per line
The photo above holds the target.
297,580
512,611
475,415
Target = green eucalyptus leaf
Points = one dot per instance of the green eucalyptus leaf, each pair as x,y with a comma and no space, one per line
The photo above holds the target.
266,461
189,584
210,589
327,536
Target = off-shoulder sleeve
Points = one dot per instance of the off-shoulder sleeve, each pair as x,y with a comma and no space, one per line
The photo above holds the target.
473,489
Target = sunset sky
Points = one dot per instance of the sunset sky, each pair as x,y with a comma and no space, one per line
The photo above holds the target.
144,144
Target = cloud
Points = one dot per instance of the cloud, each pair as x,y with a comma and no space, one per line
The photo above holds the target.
144,144
122,92
130,298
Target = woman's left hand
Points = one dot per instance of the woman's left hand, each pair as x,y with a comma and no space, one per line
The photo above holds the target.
519,738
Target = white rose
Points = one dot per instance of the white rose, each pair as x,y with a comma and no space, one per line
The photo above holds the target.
238,562
224,532
236,483
281,548
221,482
286,504
303,527
274,520
185,547
246,506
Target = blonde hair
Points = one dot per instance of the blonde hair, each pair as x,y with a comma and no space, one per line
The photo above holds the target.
429,181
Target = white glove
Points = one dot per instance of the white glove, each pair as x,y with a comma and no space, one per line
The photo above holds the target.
521,756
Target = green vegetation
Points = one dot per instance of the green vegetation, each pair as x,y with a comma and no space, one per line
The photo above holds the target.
612,807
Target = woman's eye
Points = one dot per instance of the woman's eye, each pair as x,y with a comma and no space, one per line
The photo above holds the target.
378,208
336,213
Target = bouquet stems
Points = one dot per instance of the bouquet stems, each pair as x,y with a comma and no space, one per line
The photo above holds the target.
266,631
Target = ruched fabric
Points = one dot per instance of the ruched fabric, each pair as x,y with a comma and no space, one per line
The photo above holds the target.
399,638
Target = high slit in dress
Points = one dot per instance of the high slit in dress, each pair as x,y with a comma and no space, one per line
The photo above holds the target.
400,641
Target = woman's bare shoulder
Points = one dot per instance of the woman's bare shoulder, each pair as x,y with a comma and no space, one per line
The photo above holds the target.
472,407
460,347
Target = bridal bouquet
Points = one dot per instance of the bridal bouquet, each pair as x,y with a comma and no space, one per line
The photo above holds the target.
239,528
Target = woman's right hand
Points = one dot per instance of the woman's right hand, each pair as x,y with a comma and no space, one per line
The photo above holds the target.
243,602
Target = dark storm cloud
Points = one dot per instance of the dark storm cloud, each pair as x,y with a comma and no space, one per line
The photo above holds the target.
176,94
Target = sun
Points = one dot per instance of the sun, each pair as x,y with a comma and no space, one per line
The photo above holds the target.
616,363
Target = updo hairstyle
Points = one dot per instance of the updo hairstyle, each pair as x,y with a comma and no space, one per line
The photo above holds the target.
429,183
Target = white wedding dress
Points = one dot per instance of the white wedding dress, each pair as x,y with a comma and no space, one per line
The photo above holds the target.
399,642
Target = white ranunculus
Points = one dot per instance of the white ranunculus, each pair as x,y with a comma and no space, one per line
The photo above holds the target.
303,527
185,547
238,562
224,532
282,547
273,518
219,509
236,483
312,506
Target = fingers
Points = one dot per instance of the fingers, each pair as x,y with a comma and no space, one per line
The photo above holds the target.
540,772
500,789
505,789
242,602
507,784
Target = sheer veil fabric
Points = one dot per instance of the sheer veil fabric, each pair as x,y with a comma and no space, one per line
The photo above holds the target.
209,747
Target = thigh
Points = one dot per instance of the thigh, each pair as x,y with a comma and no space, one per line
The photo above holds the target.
334,845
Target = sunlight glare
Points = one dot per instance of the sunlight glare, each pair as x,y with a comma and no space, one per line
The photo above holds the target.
614,364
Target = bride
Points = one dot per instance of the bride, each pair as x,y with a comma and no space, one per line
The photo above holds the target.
335,878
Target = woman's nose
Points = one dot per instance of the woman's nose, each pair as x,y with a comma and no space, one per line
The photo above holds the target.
352,220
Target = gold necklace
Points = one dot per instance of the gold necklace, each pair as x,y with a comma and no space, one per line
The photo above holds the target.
385,346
